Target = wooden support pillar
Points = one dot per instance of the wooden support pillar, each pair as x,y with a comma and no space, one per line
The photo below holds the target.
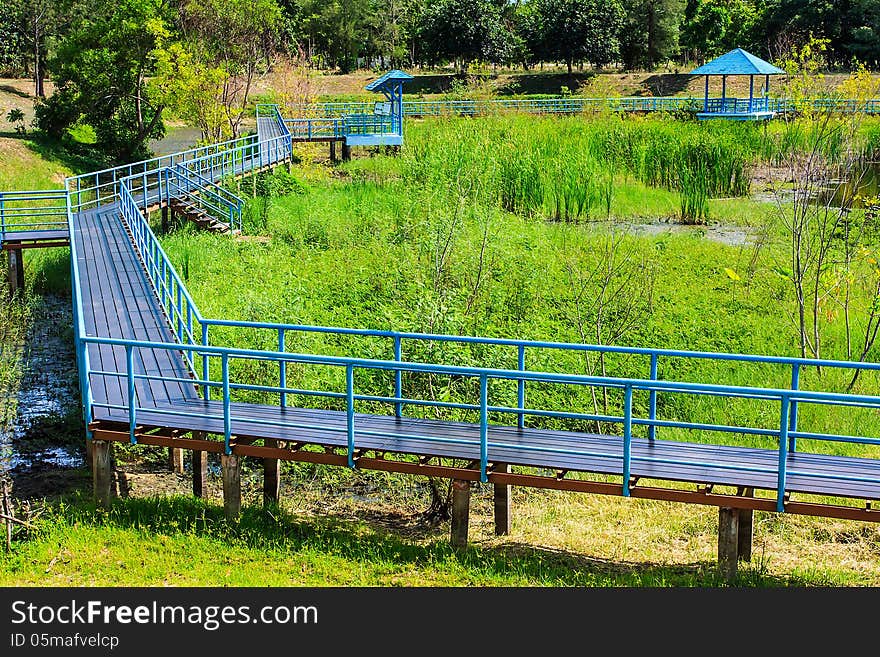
728,542
102,472
502,503
166,212
461,503
346,152
175,460
16,271
333,152
231,486
745,530
271,478
200,474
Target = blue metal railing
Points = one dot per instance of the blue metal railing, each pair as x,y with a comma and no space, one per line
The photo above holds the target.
574,105
483,405
736,105
308,129
43,210
367,124
198,191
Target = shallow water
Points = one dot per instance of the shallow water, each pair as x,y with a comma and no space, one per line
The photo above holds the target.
48,393
721,233
175,140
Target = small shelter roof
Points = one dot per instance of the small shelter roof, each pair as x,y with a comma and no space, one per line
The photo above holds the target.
388,80
738,62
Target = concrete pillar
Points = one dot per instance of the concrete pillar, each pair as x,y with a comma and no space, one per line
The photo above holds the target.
745,531
461,502
16,271
102,472
231,486
271,478
502,504
728,540
175,460
200,474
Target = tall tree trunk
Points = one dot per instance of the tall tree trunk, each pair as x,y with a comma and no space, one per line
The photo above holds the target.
38,71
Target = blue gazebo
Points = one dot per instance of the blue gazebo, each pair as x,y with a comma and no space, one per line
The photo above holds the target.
737,62
384,127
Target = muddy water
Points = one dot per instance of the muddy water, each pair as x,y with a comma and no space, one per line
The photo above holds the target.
176,139
42,433
722,233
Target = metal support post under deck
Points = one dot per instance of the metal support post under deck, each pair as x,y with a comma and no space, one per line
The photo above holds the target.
461,503
502,503
231,486
728,542
102,472
271,477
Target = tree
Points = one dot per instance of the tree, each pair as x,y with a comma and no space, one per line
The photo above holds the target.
579,30
12,47
101,68
460,31
234,37
650,35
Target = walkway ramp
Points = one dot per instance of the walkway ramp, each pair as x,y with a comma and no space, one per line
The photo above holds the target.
119,301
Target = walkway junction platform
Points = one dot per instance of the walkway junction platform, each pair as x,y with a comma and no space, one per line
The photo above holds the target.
154,371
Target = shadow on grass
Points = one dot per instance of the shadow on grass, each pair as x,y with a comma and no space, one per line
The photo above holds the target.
667,84
368,542
8,88
79,158
544,83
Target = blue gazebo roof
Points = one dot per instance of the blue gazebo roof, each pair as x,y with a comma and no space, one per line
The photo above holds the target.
388,80
738,62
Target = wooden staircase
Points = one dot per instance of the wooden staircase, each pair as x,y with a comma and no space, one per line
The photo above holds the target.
199,217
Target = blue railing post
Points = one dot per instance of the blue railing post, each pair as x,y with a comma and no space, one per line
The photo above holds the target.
205,386
784,419
398,383
2,218
521,387
349,412
282,366
227,418
793,421
627,438
484,427
132,404
652,401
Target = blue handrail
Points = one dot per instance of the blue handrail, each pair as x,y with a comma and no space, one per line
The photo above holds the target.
484,375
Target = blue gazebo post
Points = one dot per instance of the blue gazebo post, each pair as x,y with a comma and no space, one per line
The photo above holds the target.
751,92
723,93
